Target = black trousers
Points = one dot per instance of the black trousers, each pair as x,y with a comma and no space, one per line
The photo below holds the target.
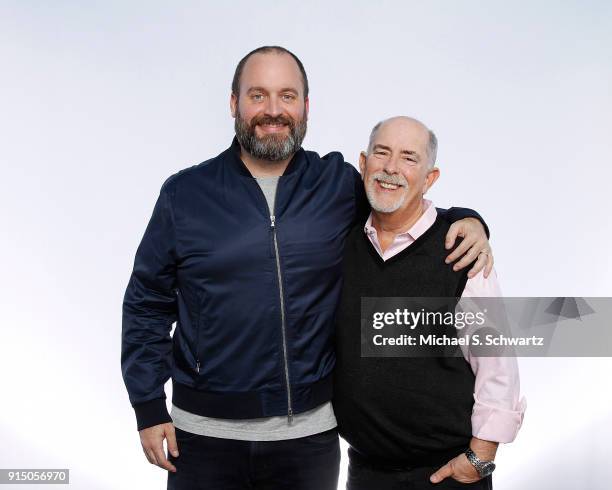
365,476
307,463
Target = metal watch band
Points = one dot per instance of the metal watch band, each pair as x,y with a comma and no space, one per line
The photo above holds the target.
484,468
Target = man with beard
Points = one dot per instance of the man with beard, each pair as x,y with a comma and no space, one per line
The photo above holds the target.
414,421
244,251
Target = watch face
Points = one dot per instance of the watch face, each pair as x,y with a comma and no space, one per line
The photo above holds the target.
487,469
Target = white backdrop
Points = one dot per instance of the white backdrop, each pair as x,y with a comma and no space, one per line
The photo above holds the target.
101,101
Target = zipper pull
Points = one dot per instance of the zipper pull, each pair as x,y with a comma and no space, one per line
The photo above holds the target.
272,221
198,366
290,415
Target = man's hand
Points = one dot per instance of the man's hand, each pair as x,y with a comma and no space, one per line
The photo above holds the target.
461,469
152,440
458,468
474,245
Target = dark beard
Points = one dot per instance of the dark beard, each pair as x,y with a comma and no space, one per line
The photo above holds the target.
273,148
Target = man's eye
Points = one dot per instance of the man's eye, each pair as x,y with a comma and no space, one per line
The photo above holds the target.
257,97
288,96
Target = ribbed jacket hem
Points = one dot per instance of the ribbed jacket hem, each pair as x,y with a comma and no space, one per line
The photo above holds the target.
251,404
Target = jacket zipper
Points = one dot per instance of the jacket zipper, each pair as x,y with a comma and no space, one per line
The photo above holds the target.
197,368
283,323
199,319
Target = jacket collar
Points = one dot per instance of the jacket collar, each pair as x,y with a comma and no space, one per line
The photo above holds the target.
232,155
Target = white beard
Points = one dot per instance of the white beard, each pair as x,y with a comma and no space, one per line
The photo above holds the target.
376,204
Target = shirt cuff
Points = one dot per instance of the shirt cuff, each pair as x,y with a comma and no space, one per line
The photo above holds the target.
495,424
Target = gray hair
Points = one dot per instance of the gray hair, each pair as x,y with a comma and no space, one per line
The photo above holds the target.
432,142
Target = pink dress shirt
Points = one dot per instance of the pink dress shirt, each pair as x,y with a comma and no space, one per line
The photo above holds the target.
498,413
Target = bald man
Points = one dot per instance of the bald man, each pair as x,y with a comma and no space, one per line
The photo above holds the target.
414,422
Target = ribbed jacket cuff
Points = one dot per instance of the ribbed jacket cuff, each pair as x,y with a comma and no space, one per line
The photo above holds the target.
153,412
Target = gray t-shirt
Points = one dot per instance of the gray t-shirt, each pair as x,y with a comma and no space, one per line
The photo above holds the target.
304,424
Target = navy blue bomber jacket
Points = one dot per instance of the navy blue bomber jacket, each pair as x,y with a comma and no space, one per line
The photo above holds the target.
253,295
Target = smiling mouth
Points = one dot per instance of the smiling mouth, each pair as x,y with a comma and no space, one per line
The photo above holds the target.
272,128
388,186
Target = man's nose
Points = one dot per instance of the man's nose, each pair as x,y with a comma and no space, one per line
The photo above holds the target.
391,165
273,107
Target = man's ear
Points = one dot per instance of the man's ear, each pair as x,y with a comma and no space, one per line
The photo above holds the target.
306,106
362,163
233,104
432,176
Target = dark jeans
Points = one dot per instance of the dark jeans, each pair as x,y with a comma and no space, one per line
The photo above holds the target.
364,476
307,463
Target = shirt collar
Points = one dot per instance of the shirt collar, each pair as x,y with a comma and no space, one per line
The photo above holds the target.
421,226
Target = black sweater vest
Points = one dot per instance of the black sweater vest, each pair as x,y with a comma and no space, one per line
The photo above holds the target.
400,411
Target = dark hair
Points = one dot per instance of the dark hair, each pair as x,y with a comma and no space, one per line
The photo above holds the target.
267,49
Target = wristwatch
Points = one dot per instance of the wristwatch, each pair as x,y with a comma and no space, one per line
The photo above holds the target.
484,468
